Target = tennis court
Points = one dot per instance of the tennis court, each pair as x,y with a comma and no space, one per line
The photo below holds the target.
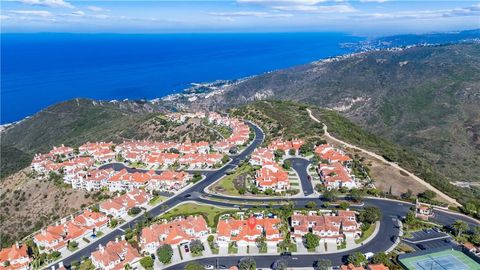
443,260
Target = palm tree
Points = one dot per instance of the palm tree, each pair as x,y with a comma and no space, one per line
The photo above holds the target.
460,226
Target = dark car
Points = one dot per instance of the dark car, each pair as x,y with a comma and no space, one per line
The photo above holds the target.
286,253
153,256
187,249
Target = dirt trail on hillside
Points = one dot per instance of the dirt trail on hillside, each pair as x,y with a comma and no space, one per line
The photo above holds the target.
394,165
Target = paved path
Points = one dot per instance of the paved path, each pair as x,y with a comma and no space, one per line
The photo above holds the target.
393,164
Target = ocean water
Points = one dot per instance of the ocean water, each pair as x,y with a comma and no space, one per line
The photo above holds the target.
38,70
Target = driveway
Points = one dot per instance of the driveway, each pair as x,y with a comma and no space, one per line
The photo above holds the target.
207,250
253,249
300,247
271,248
176,255
242,250
331,246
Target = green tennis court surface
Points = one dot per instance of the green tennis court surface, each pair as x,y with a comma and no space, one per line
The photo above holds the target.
442,260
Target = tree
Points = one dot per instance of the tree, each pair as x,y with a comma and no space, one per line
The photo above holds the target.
356,195
287,164
460,226
268,191
95,208
370,214
428,195
196,177
475,238
247,263
261,242
280,264
381,257
225,159
134,211
165,253
470,208
410,218
147,262
292,152
305,148
407,195
330,195
311,240
323,264
344,205
194,266
210,239
196,246
279,153
357,259
311,204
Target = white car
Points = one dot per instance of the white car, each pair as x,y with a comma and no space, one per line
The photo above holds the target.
209,267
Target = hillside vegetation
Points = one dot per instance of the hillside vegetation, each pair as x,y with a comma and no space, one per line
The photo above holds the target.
288,119
78,121
426,99
344,129
281,120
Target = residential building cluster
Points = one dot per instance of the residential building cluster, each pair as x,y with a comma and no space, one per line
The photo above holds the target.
245,232
115,255
334,168
118,207
332,227
15,258
240,131
176,232
56,237
271,175
81,168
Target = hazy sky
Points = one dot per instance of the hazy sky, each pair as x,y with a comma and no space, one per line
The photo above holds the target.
364,17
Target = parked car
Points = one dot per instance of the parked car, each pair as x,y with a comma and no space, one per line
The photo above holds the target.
286,253
209,267
187,249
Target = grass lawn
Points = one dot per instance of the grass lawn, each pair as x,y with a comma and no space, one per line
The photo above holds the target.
156,200
200,254
208,211
226,185
99,233
366,234
262,249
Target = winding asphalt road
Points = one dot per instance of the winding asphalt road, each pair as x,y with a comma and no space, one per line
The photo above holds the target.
391,211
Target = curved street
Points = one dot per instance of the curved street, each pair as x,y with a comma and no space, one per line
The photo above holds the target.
387,234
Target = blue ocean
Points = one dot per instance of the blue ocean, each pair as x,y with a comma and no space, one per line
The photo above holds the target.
38,70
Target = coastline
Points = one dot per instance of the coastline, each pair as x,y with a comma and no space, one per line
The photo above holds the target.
208,89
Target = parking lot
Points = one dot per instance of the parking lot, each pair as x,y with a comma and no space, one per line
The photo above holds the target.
428,239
